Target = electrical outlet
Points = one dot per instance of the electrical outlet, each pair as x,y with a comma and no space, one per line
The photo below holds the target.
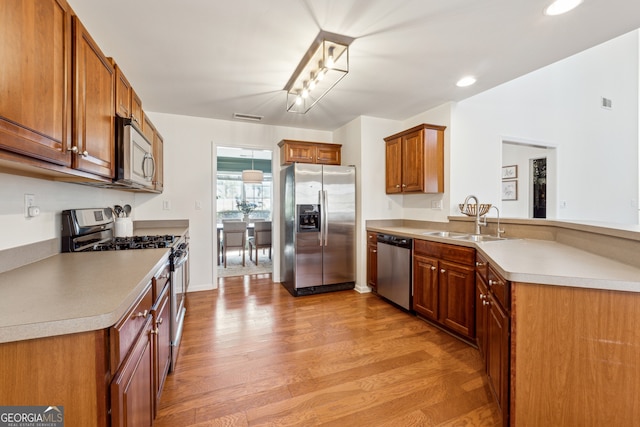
198,205
436,204
29,200
166,205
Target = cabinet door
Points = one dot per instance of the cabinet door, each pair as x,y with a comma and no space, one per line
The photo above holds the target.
413,162
498,355
482,297
425,286
35,87
301,153
93,106
162,345
393,169
432,179
136,109
328,155
132,387
123,94
158,156
147,128
457,298
372,262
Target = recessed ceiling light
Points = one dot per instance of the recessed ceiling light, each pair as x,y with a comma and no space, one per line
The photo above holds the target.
466,81
559,7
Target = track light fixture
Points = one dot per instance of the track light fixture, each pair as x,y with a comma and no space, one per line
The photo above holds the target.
324,64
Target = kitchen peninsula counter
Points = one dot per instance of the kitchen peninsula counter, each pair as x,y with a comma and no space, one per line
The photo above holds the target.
530,260
67,293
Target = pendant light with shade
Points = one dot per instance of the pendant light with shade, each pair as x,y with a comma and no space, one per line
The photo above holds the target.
252,176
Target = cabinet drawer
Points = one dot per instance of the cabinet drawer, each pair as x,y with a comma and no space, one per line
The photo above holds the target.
159,281
453,253
124,333
482,266
500,288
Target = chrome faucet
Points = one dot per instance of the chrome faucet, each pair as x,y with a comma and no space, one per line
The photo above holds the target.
498,231
464,209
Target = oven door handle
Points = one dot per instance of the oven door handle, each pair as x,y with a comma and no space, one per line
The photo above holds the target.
180,260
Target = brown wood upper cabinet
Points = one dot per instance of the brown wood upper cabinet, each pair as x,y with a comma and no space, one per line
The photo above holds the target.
309,152
415,160
35,90
123,92
94,101
158,155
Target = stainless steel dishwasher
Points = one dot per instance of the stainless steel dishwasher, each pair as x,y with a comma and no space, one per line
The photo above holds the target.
394,269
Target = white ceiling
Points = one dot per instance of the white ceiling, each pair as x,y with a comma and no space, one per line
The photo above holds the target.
214,58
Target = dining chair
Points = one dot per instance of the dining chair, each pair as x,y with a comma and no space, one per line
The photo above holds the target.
261,239
234,235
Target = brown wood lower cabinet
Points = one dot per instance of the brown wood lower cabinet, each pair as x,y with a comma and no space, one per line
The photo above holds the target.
132,388
493,331
372,260
161,345
108,377
443,286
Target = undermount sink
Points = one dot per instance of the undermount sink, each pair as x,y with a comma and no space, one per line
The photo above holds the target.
450,234
479,238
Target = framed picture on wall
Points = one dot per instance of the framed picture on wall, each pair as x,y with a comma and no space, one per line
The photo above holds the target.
510,172
509,190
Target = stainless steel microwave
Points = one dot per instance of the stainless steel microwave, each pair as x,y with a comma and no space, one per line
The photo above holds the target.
135,165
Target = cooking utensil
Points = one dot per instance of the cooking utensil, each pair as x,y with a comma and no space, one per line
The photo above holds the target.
118,210
127,210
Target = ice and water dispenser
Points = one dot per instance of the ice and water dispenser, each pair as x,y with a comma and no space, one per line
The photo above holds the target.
308,217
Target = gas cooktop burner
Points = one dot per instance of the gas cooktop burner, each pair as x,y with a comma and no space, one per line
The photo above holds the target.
134,242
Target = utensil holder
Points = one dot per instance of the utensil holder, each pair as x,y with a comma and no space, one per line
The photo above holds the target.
123,227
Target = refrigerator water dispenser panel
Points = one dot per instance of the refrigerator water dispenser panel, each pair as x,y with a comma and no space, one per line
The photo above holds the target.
308,218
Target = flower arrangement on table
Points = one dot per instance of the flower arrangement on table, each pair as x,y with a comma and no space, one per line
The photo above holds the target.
245,207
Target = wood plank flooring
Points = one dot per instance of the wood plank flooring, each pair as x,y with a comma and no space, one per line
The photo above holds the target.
253,355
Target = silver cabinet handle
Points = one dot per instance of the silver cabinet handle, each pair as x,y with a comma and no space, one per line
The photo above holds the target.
433,268
482,296
374,251
491,282
486,302
479,264
443,271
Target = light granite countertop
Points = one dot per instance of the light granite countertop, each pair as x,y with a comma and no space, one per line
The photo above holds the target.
77,292
541,261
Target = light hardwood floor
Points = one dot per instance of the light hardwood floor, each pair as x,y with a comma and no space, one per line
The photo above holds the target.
253,355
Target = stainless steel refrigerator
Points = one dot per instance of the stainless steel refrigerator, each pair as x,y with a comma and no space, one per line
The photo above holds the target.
318,234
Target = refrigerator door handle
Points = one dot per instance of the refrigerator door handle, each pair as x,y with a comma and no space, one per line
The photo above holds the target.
321,203
325,225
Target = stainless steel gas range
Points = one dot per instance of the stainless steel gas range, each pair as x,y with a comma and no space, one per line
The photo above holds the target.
87,230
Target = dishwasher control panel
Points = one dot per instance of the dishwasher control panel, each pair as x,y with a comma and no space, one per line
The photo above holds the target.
389,239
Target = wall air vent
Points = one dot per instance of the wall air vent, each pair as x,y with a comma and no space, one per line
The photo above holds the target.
249,117
606,103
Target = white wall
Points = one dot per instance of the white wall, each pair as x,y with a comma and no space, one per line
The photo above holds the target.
419,206
560,104
189,174
363,146
52,198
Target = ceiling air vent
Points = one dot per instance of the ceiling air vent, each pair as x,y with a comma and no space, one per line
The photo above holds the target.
606,103
249,117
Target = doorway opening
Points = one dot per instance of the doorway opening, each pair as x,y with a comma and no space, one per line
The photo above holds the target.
539,187
533,180
243,202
